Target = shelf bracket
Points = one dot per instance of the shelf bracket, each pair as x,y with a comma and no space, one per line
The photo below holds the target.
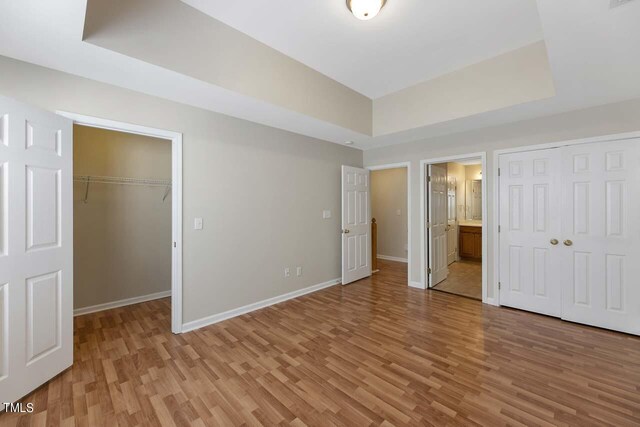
86,191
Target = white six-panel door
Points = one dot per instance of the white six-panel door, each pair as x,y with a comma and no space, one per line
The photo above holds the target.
438,221
36,223
530,198
356,224
600,215
569,239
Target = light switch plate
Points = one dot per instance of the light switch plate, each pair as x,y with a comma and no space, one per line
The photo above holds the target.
326,214
197,224
398,212
299,271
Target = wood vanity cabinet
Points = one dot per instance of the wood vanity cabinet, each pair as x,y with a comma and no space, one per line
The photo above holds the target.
470,242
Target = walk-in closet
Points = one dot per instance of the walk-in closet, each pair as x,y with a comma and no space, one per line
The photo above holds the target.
122,219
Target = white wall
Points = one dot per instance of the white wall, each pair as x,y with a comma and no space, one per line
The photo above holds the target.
603,120
261,191
388,196
122,234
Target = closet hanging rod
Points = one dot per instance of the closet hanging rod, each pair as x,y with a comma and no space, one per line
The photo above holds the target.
122,180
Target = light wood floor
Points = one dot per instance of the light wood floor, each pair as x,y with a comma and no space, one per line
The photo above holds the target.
375,352
465,278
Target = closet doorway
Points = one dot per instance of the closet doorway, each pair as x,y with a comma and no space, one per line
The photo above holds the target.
568,242
127,216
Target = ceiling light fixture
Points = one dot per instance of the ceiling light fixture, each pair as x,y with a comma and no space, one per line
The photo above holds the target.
365,9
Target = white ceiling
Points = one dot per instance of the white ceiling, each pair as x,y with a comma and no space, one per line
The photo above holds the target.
410,41
49,34
593,52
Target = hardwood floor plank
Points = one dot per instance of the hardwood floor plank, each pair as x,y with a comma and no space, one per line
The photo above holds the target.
371,353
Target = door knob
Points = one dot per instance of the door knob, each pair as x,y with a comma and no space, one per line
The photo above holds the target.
345,231
554,242
568,242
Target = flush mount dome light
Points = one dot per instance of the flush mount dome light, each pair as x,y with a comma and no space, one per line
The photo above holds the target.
365,9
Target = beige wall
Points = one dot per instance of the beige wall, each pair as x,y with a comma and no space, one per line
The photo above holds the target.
122,235
516,77
388,196
209,50
603,120
260,191
473,172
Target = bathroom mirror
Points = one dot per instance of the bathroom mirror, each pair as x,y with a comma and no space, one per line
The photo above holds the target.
473,200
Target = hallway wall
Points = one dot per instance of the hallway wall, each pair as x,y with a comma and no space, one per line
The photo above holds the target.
389,208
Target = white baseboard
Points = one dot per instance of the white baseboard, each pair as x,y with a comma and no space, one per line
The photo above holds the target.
120,303
417,285
210,320
491,301
392,258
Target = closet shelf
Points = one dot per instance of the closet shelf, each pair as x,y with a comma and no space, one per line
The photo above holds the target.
122,180
90,179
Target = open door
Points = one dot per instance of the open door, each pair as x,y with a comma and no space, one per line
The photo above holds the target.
36,248
437,224
356,224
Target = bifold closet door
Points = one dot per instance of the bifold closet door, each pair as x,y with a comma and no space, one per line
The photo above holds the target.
600,248
530,199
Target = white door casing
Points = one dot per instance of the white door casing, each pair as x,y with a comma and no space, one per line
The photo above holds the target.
356,224
437,227
600,210
36,248
530,200
452,224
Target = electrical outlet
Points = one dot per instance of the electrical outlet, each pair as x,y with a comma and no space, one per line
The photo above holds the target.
287,272
299,271
326,214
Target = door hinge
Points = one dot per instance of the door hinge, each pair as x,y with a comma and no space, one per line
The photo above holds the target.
429,179
499,285
175,245
499,228
429,270
427,224
498,171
